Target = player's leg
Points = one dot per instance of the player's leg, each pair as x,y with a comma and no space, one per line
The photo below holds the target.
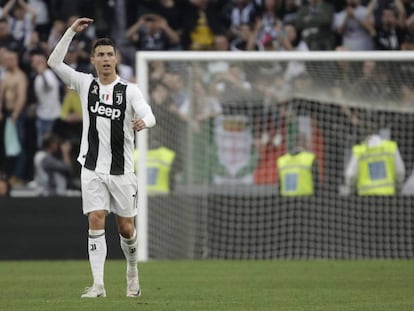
97,251
129,245
123,203
95,198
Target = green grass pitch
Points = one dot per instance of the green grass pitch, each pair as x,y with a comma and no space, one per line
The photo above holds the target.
214,285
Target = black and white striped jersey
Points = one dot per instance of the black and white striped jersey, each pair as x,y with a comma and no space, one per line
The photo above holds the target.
107,143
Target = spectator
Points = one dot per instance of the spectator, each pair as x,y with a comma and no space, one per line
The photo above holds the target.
221,43
125,71
294,43
201,25
7,40
242,13
161,101
232,87
34,45
356,27
43,18
269,142
157,71
245,40
151,32
268,29
73,59
206,105
289,12
314,23
47,87
373,86
52,173
160,161
58,28
409,13
70,124
159,94
21,18
400,7
389,34
376,166
180,99
13,94
298,171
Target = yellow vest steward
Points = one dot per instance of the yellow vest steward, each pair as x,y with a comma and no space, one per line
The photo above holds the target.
376,168
295,173
159,162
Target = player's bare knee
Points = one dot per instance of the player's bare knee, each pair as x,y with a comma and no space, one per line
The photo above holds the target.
96,220
126,230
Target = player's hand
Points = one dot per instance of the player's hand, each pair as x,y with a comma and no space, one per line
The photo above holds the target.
81,24
138,124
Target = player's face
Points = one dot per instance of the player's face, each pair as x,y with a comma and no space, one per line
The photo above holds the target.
104,60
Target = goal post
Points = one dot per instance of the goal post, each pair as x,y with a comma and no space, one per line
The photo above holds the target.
226,117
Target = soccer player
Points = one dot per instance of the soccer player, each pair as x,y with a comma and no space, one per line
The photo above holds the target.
112,109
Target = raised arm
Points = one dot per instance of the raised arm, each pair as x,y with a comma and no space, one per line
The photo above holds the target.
56,58
28,8
132,32
8,7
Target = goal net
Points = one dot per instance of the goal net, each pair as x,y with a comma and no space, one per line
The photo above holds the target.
212,184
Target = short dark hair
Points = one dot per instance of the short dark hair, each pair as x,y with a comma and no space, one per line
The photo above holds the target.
102,41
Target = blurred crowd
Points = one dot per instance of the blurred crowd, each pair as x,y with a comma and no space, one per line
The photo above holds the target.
43,116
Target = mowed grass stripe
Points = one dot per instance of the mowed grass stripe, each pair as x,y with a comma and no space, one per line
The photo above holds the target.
214,285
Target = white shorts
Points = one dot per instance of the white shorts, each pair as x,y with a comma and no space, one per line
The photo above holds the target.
116,194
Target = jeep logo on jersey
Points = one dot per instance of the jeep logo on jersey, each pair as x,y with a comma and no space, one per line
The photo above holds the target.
106,111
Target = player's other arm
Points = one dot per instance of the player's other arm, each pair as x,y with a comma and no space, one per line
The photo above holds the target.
143,113
56,58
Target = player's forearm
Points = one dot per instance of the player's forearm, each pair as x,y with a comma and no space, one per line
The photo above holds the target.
58,55
149,120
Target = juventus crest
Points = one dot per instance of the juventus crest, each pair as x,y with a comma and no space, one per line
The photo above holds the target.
118,98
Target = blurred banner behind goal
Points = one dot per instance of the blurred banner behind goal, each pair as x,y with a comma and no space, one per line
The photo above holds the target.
211,187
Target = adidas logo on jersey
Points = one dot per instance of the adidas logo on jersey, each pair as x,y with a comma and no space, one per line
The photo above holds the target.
105,111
